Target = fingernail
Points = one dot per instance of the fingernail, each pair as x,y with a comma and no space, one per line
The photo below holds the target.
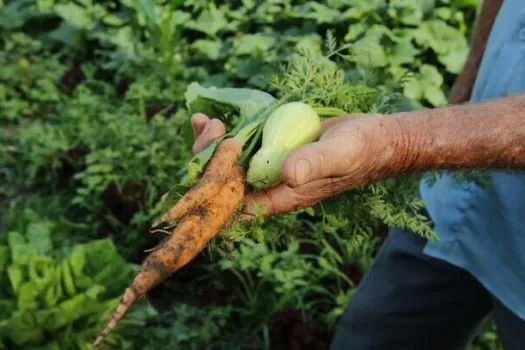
303,169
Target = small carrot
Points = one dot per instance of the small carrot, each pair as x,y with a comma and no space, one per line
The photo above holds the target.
191,235
214,177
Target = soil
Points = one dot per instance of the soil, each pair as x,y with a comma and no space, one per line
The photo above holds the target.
353,272
289,331
125,204
154,108
70,161
75,76
72,77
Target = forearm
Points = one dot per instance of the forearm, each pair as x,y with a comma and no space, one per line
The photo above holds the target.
489,135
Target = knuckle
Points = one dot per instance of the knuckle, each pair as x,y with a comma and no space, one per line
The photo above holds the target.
216,129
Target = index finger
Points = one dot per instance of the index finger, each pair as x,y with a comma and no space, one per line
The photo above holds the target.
198,122
276,200
329,122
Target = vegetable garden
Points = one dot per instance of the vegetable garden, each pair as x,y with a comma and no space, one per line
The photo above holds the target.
95,100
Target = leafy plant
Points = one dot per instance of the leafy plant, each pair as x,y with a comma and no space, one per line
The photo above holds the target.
65,294
94,130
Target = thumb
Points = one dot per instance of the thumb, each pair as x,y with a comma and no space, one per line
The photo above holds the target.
331,157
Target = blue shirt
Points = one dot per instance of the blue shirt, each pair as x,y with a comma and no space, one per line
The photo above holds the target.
483,229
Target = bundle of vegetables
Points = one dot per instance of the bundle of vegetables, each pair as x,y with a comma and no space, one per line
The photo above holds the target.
265,129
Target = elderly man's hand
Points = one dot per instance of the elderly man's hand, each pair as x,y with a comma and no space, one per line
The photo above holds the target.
351,151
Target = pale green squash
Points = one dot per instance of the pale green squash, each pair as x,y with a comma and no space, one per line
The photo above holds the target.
287,128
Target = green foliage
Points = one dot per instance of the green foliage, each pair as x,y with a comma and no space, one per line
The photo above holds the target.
405,37
188,327
29,77
64,293
273,279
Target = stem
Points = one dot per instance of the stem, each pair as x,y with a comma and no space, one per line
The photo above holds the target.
329,111
246,132
247,153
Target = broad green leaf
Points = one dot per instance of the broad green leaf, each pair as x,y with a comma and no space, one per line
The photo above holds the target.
51,319
209,22
369,52
444,13
466,3
76,15
179,17
266,263
403,52
209,48
15,239
16,276
408,12
123,38
251,44
355,30
100,168
21,328
68,278
15,14
4,258
77,260
310,43
318,12
112,20
22,254
426,85
147,9
39,237
359,8
41,270
68,34
435,96
323,262
454,60
449,44
95,291
29,294
53,294
213,100
427,6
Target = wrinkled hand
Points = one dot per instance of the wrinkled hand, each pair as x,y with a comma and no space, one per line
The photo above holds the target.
352,151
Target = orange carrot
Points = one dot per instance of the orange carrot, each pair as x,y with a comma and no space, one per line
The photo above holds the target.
214,177
189,238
